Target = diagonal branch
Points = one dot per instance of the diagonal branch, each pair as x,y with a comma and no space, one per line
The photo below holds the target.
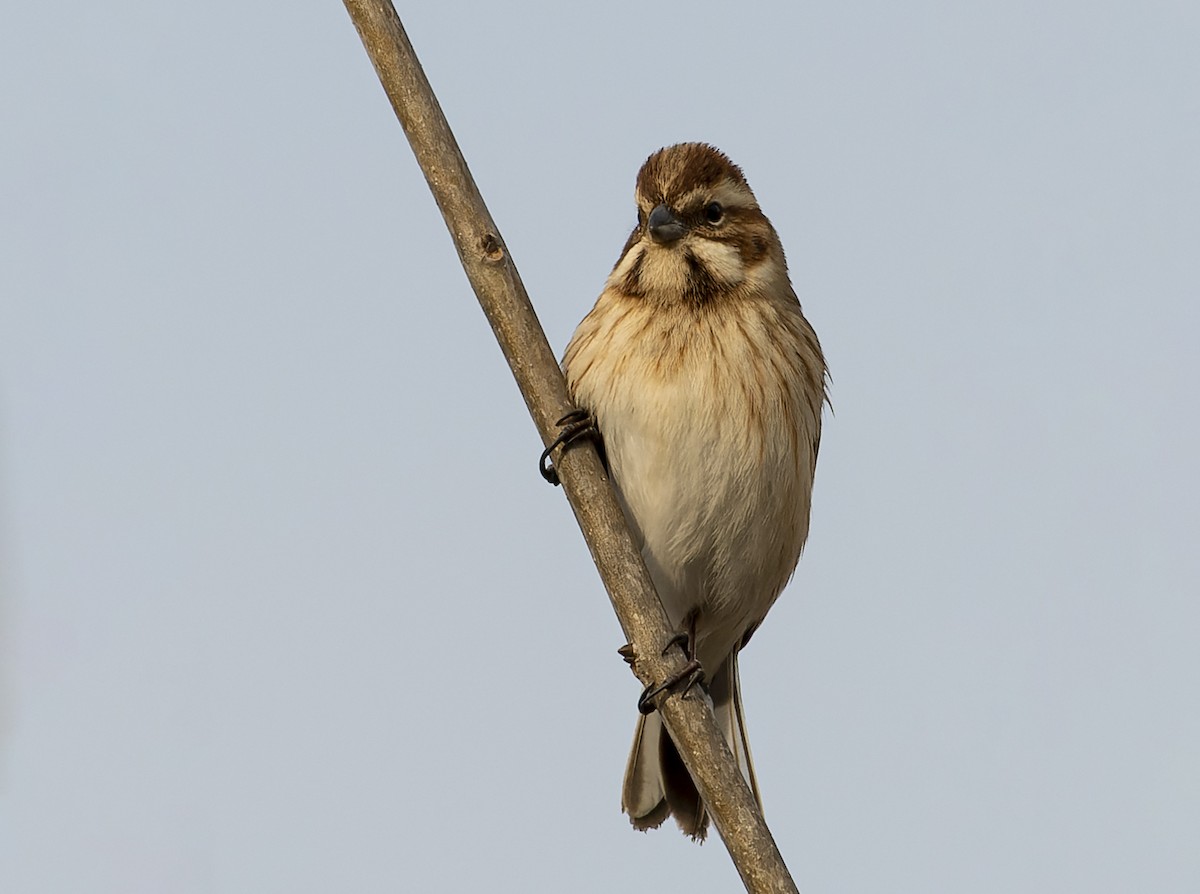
495,280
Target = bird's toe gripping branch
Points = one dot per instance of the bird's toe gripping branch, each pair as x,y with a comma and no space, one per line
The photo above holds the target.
575,425
681,681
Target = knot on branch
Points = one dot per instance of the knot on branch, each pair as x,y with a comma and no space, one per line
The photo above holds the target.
492,249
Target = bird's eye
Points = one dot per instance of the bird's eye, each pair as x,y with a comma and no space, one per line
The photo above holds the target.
714,213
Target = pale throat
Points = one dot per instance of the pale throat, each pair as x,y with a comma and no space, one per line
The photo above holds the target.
665,271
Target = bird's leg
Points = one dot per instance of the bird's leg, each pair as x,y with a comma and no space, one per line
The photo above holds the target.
575,425
683,639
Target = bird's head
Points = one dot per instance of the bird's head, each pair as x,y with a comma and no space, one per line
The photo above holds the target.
700,234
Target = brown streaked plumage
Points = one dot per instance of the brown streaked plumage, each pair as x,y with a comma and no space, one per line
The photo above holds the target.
707,384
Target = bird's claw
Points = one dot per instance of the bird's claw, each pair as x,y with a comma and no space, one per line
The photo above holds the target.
575,425
680,682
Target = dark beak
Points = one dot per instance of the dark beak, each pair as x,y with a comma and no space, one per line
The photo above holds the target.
664,226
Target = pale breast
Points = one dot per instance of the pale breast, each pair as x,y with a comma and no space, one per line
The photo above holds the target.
710,432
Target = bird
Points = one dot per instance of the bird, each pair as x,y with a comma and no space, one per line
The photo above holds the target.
706,385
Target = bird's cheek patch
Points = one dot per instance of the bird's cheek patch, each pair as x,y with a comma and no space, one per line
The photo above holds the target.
721,260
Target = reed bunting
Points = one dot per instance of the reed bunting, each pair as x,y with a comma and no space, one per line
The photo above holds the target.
706,385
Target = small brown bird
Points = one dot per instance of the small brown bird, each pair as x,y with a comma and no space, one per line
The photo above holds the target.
706,384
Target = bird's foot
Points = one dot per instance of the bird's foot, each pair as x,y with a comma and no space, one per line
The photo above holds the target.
680,682
575,425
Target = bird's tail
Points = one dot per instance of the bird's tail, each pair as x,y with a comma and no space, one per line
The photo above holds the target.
657,784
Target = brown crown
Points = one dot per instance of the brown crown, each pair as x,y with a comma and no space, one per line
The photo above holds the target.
679,169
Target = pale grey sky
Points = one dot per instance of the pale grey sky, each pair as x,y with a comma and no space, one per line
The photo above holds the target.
285,605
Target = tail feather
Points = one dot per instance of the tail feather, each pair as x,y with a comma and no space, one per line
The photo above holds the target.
657,784
726,692
643,796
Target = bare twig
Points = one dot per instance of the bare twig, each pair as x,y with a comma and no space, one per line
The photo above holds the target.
494,278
